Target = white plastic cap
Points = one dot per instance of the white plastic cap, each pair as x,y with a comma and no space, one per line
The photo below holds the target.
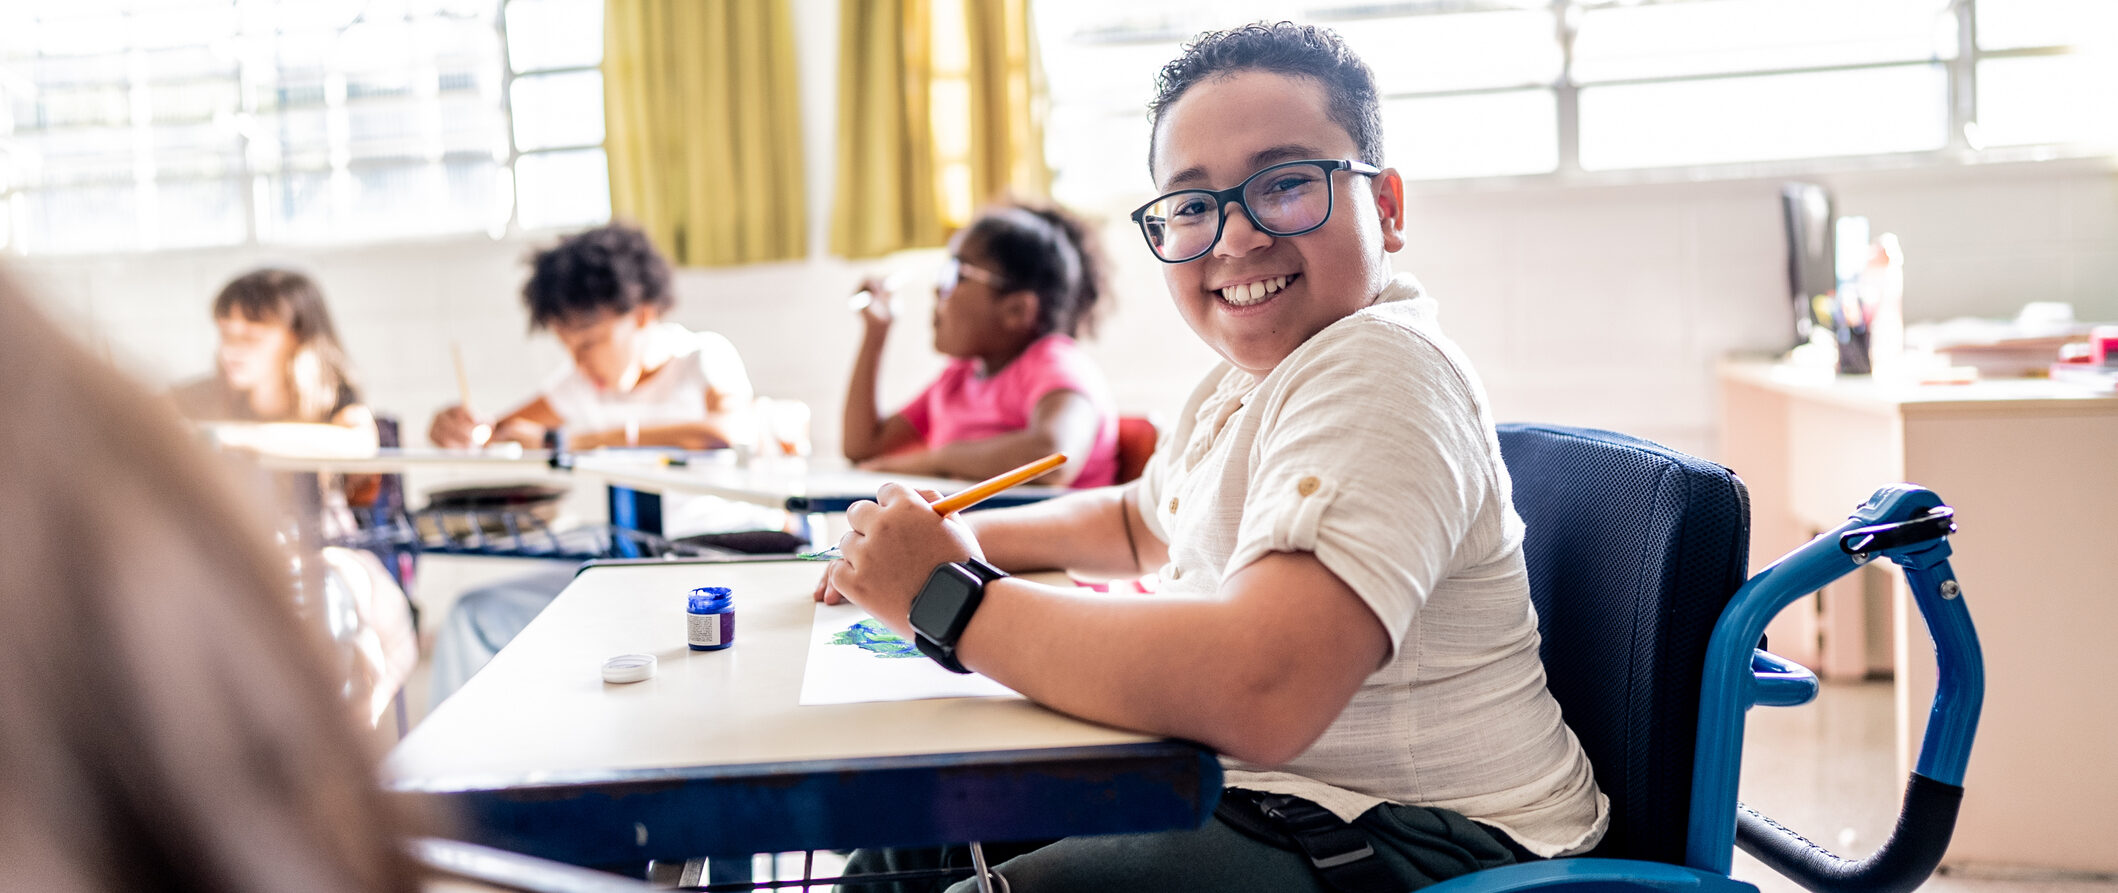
629,668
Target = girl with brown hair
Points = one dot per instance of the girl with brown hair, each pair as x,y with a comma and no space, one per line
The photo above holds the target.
279,361
167,719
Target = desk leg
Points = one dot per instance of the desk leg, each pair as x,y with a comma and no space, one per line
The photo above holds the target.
634,510
982,872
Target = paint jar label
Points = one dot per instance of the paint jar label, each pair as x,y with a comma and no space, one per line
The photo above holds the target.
711,630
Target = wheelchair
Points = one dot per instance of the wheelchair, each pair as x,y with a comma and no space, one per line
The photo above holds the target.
1651,630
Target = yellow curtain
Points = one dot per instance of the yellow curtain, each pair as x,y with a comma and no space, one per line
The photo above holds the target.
1008,101
703,127
885,183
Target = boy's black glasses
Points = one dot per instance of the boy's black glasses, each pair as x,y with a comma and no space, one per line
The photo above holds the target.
1286,199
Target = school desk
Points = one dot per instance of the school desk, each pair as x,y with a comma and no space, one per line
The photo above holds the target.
714,755
393,460
797,485
2031,467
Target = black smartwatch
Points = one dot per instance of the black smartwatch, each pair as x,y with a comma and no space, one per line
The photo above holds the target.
943,608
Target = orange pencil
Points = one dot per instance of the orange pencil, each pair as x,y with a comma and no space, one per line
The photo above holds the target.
970,496
980,492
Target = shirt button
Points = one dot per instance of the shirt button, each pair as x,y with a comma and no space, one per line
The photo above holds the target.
1172,505
1308,485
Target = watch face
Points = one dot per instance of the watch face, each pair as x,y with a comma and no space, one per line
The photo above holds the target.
938,613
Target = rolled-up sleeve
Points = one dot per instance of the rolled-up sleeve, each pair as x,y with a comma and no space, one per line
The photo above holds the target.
1368,458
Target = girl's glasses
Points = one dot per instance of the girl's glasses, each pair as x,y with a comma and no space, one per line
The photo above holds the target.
1286,199
954,270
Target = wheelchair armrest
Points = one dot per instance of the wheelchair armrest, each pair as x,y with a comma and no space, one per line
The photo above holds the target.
1781,682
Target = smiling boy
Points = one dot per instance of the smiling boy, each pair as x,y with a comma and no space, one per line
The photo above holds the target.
1344,611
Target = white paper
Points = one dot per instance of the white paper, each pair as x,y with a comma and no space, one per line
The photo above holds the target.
843,672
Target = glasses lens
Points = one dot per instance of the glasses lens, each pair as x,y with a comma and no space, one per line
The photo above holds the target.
946,278
1289,199
1181,226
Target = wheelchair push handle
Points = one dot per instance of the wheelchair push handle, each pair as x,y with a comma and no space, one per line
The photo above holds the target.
1938,522
1924,825
1909,526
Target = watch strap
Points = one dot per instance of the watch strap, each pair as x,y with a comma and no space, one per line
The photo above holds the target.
945,653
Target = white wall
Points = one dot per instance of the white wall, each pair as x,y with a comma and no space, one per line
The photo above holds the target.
1590,305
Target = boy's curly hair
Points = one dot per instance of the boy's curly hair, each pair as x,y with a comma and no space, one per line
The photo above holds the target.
1282,48
610,268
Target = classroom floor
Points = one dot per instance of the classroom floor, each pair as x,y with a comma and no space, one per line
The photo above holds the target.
1824,769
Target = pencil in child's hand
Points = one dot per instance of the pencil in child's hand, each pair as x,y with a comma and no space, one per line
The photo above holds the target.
480,434
463,379
980,492
971,495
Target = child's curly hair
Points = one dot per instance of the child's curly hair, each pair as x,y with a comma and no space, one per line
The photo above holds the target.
610,268
1282,48
1046,250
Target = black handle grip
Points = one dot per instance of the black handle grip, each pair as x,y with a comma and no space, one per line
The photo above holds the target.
1924,824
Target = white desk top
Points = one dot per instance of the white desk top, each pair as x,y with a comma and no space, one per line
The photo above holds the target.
541,710
1910,397
769,482
388,460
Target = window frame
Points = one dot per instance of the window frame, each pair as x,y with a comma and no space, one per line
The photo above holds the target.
1961,72
247,173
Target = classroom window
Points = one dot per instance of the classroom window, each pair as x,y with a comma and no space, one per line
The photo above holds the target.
1481,88
128,125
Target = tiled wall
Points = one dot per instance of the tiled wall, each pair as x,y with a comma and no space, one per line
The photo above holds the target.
1601,306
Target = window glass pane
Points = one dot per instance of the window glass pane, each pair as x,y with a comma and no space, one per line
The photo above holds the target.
76,155
1098,159
192,213
554,34
85,217
1475,135
1456,52
2010,24
1816,114
378,200
553,110
2038,99
1112,75
561,189
1676,39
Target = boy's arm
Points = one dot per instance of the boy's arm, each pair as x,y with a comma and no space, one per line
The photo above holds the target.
1258,673
525,425
1096,533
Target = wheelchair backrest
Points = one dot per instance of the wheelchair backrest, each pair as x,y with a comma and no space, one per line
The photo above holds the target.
1633,550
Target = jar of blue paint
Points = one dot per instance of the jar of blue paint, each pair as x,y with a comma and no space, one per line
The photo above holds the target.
711,618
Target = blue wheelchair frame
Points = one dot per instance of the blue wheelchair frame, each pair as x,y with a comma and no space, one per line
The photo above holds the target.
1910,526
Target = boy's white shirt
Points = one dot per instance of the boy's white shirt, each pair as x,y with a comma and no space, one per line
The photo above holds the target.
688,363
1371,446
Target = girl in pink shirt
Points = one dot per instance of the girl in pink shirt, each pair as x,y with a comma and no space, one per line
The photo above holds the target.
1018,284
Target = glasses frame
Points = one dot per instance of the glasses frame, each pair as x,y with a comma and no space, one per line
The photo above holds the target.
954,270
1233,195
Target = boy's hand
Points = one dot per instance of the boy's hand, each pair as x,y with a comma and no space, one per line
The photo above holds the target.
894,546
455,428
